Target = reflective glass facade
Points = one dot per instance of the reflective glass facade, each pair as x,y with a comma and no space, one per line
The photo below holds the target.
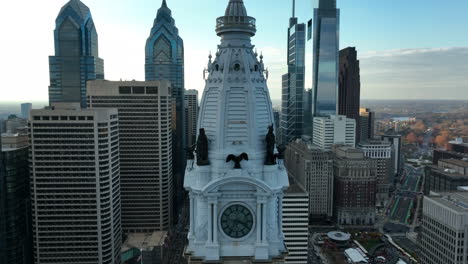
325,59
292,103
76,57
164,60
15,207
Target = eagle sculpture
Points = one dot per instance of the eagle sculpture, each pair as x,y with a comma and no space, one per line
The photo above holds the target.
237,159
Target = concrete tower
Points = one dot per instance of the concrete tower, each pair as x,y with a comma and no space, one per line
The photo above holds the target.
235,184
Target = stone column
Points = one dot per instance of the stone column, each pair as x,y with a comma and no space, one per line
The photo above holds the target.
259,224
192,216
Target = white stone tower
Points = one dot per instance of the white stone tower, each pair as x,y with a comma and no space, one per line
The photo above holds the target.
235,199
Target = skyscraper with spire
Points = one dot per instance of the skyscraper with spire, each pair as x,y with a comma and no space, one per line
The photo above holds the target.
325,59
292,103
76,57
164,60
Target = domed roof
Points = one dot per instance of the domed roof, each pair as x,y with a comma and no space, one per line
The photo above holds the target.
236,8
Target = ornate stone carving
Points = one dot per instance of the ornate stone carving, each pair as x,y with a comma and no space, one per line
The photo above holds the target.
237,159
202,149
270,147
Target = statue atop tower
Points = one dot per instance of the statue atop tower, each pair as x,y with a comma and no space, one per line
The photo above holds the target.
236,196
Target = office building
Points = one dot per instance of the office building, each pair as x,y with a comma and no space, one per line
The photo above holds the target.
456,149
13,124
332,130
366,124
76,58
448,175
443,238
381,152
25,108
15,202
292,103
313,168
296,223
325,59
164,60
355,187
75,185
397,156
308,119
191,116
235,181
145,120
349,93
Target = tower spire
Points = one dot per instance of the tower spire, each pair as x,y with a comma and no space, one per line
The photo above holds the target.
164,4
294,8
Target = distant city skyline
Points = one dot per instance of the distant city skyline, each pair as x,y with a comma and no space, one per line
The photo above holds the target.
401,56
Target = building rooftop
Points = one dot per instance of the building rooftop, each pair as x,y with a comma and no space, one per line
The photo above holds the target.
294,187
144,241
457,201
355,256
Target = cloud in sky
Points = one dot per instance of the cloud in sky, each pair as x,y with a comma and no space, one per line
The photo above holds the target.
439,73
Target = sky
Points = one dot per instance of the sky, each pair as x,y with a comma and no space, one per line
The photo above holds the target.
408,49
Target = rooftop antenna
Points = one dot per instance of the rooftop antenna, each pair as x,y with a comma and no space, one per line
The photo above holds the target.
294,9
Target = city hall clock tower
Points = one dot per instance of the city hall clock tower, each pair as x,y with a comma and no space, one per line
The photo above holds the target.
235,174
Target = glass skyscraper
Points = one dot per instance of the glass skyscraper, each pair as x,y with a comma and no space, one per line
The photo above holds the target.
15,203
76,57
325,59
164,60
292,105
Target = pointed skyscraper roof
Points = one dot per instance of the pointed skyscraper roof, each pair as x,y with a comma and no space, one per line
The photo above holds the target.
81,9
164,4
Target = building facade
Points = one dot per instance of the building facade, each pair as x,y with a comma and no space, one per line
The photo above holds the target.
75,185
325,59
447,176
191,116
234,183
164,60
444,234
332,130
15,202
145,120
76,57
292,102
366,124
381,152
313,168
349,93
396,143
355,187
296,223
25,108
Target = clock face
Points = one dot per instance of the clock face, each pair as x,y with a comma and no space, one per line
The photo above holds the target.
237,221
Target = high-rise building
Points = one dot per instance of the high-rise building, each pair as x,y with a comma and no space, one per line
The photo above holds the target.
443,238
448,175
313,168
292,103
25,108
164,60
395,141
349,93
296,223
325,59
456,149
308,118
13,124
366,124
332,130
236,181
76,57
191,116
381,152
75,185
15,202
145,119
355,187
